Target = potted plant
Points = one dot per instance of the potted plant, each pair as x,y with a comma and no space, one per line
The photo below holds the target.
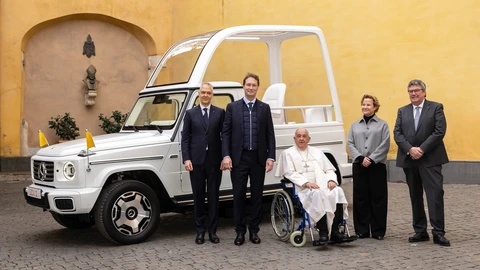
65,127
114,123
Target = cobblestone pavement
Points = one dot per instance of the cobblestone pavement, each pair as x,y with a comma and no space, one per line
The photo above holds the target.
31,239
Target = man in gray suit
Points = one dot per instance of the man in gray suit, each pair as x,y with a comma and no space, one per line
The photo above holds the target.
419,132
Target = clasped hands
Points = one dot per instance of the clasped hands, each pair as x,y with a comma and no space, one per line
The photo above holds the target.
415,153
331,185
227,164
366,162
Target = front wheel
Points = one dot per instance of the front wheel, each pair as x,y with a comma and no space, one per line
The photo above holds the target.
298,239
71,221
127,212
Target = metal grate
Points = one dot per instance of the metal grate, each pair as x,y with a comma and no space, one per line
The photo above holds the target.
43,170
65,204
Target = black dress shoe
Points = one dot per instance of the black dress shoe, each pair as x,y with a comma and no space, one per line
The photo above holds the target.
441,240
378,237
323,240
200,239
362,235
240,239
337,237
254,238
419,237
214,238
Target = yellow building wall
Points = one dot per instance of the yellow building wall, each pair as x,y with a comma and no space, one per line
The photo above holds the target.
376,47
19,20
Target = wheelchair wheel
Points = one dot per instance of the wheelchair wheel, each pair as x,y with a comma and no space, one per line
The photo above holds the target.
282,215
297,239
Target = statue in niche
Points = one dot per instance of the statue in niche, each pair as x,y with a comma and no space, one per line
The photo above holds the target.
89,47
92,84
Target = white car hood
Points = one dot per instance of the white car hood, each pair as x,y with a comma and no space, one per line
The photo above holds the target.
105,142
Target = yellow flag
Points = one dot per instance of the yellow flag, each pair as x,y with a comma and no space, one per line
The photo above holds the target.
89,138
42,140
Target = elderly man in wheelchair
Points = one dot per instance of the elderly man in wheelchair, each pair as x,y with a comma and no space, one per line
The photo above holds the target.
316,194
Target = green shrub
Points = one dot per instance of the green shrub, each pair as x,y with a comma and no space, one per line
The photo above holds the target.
65,127
114,123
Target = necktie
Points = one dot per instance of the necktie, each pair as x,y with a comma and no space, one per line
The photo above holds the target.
417,116
250,105
205,116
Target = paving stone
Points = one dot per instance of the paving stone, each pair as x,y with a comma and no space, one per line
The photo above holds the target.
31,239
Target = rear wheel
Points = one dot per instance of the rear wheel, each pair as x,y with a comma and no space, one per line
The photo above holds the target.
127,212
71,221
282,215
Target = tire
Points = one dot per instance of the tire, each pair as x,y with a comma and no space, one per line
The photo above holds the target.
298,239
127,212
71,221
282,215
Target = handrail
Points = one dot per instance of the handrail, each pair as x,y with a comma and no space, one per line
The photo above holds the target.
301,108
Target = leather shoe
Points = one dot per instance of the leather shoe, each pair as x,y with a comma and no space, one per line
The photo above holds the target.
324,238
214,238
200,239
254,238
378,237
337,237
441,240
240,239
419,237
362,235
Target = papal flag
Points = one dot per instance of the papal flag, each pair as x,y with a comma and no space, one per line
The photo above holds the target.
89,138
42,140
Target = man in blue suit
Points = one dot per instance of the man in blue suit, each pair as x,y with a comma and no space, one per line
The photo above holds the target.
419,132
248,147
202,156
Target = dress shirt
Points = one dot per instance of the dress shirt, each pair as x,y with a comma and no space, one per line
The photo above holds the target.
420,110
248,101
208,109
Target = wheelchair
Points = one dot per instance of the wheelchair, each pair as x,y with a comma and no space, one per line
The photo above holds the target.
286,206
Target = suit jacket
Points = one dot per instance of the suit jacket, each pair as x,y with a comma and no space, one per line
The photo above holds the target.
232,134
431,129
196,136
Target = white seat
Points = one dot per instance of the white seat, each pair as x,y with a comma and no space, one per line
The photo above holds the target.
317,115
275,97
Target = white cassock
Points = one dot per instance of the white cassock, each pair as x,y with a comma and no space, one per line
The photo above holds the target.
311,165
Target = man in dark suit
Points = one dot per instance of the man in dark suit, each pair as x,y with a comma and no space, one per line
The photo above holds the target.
419,132
202,156
248,146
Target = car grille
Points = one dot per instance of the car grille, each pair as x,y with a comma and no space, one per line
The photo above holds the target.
43,170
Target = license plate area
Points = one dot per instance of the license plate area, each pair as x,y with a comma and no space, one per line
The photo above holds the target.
34,193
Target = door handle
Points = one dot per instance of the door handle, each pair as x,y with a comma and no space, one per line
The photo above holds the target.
173,156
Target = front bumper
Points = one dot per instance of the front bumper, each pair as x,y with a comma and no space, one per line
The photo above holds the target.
62,201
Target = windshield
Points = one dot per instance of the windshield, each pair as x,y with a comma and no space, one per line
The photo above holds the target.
178,62
154,112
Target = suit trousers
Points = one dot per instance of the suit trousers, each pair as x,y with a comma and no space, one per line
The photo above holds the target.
370,199
207,176
420,177
248,166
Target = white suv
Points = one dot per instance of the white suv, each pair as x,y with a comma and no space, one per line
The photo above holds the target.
128,179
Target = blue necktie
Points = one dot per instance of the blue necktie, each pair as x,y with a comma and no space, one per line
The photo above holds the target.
250,106
417,116
205,117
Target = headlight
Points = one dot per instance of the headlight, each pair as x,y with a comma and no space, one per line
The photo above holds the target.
69,170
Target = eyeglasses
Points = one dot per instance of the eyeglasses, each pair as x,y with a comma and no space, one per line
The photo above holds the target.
414,91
